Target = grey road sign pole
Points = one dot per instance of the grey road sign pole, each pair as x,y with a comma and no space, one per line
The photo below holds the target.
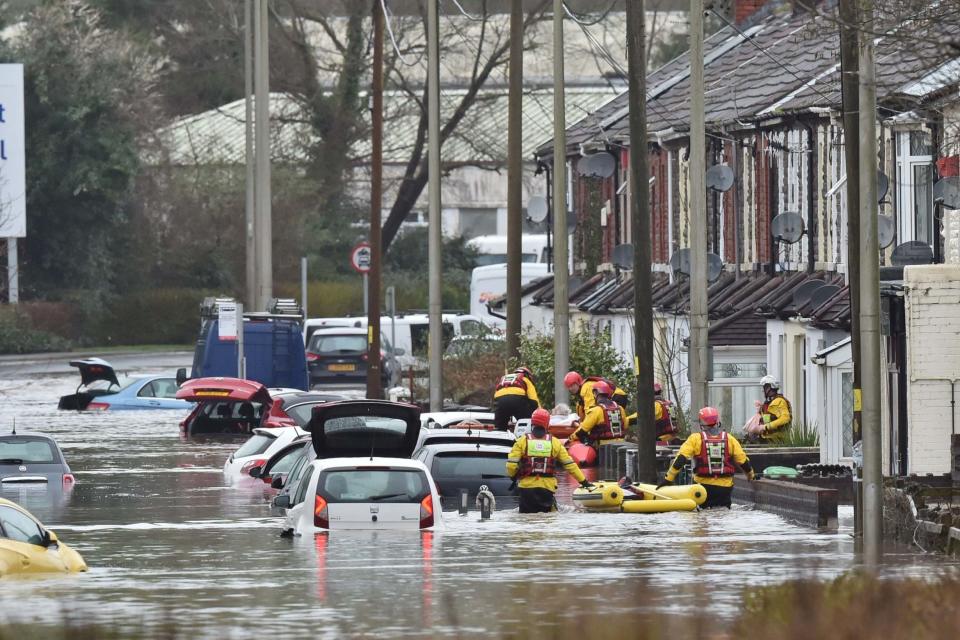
264,225
374,387
698,216
434,240
870,296
514,178
561,268
250,204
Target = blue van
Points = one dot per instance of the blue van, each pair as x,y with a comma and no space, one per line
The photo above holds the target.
272,345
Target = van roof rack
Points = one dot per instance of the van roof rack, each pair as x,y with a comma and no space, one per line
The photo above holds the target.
277,308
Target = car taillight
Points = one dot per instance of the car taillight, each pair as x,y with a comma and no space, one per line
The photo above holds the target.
426,512
68,478
98,406
320,517
250,464
312,356
274,422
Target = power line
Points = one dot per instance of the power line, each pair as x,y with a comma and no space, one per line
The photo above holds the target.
393,40
585,23
467,15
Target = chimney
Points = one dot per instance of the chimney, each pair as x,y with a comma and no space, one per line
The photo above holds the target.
743,9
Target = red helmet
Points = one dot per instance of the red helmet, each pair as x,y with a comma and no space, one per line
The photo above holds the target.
657,389
601,388
540,418
709,417
524,371
572,378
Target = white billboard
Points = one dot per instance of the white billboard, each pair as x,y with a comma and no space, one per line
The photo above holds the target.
13,200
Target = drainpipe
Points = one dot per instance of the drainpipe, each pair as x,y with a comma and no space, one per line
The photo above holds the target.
811,201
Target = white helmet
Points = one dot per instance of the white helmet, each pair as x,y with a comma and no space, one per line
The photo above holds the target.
769,380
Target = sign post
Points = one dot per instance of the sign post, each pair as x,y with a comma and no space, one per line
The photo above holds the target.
230,329
360,258
13,205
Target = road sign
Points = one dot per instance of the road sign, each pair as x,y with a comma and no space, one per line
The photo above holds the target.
228,320
361,257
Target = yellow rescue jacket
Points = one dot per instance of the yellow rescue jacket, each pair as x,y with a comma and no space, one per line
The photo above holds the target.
776,416
557,452
528,391
690,449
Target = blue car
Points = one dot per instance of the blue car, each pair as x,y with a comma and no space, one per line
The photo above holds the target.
100,389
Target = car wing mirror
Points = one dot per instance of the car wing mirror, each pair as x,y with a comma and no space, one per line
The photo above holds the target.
282,502
49,538
181,376
277,483
255,472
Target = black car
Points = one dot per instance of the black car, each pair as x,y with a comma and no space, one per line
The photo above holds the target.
469,466
32,458
338,356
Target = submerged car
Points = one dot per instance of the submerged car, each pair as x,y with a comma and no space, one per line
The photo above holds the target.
464,466
101,389
446,419
32,458
289,408
225,406
26,546
363,477
255,452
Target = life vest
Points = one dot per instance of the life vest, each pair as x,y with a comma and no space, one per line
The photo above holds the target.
765,407
538,459
714,459
513,380
612,426
665,423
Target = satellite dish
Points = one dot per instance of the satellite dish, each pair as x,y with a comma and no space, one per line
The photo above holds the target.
947,191
719,177
801,295
913,252
622,256
600,165
886,230
822,294
883,185
680,263
787,227
537,208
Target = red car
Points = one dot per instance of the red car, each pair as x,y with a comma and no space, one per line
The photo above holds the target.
233,406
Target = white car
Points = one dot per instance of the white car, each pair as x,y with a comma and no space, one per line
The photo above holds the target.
446,419
464,436
259,448
363,477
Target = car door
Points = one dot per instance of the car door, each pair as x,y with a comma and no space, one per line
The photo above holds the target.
23,539
364,428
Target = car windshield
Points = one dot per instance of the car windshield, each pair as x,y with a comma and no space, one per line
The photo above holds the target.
28,449
302,413
254,446
373,485
338,344
284,464
470,465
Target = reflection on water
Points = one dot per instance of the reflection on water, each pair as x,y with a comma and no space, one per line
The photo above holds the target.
168,538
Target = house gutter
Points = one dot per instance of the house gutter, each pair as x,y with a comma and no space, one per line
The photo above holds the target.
811,202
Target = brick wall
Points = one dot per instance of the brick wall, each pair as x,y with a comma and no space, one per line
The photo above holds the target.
933,357
743,9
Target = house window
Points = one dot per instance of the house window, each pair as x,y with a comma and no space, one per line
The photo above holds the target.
913,189
736,386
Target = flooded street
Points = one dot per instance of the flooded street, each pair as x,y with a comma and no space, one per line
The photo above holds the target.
169,542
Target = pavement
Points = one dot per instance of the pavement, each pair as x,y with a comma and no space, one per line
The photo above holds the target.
19,365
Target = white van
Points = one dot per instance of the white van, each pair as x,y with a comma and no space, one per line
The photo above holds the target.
490,282
411,333
493,249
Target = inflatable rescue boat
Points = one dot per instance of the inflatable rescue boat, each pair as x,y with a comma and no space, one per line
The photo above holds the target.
641,498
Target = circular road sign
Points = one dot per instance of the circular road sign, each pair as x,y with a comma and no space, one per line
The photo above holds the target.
360,257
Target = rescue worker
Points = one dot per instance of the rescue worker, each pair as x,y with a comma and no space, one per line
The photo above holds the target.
662,417
532,465
606,421
582,390
514,397
775,412
715,454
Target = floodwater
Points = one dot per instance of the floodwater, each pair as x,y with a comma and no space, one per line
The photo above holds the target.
170,543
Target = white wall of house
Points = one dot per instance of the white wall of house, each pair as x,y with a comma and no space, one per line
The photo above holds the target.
834,383
933,359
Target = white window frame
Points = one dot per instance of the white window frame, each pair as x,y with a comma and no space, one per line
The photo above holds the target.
906,189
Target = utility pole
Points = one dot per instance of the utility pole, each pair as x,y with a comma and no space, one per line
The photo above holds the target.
870,296
640,206
561,267
435,248
849,89
698,216
250,205
264,226
374,366
514,179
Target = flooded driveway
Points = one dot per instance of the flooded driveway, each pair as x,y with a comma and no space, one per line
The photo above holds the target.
170,543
